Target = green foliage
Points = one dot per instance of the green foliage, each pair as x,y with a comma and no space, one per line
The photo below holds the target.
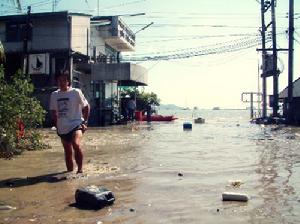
31,141
16,103
142,98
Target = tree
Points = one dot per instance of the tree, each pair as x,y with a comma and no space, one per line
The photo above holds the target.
18,109
142,98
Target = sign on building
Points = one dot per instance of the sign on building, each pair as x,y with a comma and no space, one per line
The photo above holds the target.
38,64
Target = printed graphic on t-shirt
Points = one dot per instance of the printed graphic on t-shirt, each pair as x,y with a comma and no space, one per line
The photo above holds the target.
63,107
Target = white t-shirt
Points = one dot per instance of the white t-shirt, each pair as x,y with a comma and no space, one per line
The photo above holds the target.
68,105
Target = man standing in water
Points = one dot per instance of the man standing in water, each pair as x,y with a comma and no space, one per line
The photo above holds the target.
131,106
70,112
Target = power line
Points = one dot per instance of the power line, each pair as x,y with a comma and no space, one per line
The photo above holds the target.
123,4
163,25
195,52
193,37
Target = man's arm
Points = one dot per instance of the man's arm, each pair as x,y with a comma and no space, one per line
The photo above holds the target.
86,113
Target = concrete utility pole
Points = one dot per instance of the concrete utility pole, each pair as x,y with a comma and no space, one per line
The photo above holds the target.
274,51
264,53
291,61
25,40
54,3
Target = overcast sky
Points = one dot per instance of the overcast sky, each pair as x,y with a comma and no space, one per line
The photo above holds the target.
215,42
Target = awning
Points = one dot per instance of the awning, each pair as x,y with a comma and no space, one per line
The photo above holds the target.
127,74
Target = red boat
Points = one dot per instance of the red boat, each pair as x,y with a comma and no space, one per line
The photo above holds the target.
160,118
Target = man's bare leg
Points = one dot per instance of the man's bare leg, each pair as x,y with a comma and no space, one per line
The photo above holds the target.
78,150
68,155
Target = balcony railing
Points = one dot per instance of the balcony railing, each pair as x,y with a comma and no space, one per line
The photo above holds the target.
115,32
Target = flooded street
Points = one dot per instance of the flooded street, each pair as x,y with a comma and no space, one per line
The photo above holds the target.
160,173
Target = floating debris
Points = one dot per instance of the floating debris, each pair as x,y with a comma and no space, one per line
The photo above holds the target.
94,197
187,126
290,137
232,196
236,183
7,207
199,120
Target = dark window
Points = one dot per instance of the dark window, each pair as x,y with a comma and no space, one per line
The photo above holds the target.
16,32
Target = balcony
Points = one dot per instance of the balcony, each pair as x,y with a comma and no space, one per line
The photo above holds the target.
114,31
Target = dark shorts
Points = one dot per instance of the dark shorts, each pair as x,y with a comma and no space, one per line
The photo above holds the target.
69,136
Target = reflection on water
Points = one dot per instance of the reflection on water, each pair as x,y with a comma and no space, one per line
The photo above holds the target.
141,164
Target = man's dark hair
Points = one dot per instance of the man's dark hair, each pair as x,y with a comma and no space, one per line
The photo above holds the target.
63,73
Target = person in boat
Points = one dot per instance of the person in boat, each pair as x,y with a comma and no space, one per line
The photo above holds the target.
70,112
131,106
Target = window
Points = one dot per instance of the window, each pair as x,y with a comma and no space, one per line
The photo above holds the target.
16,32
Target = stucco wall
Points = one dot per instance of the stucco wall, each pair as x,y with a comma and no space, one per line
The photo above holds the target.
97,40
80,34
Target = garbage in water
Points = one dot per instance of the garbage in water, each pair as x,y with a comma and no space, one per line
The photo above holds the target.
94,197
232,196
199,120
236,183
187,126
6,207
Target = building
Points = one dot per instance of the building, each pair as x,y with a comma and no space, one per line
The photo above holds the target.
88,47
283,97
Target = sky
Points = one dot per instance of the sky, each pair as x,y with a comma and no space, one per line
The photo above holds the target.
199,52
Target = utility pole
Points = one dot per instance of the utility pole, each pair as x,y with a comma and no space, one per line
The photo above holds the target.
264,53
54,3
290,61
274,51
25,40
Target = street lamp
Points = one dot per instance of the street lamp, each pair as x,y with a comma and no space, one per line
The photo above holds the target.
145,27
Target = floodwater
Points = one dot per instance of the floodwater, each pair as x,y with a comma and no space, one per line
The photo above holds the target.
161,173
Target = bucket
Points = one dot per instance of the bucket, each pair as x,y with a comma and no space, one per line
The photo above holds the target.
138,115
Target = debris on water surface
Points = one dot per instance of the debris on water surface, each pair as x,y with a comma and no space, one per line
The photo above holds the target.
132,210
6,207
236,183
232,196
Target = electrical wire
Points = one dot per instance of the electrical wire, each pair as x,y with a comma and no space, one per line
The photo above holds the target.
177,25
211,45
123,4
232,47
194,37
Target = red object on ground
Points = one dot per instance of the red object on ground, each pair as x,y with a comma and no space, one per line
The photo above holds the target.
138,115
160,118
